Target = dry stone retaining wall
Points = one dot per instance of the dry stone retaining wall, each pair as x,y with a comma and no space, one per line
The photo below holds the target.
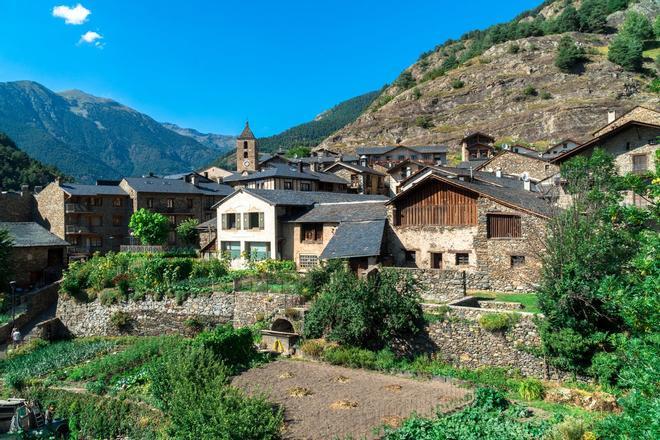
444,285
151,317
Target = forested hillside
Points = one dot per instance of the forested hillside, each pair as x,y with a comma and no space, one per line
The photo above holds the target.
17,168
517,82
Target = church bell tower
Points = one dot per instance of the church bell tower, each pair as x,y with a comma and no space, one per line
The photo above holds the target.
247,158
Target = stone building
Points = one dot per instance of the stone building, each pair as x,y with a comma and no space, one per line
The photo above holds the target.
37,257
176,199
292,176
280,224
17,206
560,148
91,218
363,180
518,164
388,156
476,147
489,226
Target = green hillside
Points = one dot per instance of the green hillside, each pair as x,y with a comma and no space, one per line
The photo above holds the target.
311,133
17,168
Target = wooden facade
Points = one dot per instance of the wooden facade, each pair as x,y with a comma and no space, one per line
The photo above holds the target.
437,203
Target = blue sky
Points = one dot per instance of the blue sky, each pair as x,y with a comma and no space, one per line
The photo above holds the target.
212,64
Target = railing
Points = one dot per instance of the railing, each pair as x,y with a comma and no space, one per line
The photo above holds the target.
76,208
77,229
80,250
140,248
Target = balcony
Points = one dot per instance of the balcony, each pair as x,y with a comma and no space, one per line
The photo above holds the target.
77,208
77,229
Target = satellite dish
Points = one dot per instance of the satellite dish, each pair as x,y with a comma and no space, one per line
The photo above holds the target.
525,176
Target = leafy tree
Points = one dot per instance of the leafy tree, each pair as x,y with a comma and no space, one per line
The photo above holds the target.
569,54
187,231
150,228
656,27
626,51
365,312
298,151
637,26
5,253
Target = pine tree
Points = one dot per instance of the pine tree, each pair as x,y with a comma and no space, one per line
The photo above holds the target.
568,54
637,26
626,52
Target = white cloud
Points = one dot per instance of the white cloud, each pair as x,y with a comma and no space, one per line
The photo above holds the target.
91,37
72,15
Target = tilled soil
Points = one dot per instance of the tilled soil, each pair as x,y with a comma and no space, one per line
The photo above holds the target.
322,401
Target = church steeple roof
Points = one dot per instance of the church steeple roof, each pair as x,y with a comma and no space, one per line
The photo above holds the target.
246,133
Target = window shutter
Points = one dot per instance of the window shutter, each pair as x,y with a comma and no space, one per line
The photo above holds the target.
261,220
246,221
238,221
224,221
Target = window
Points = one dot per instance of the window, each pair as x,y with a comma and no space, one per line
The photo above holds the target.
462,259
627,146
517,260
308,261
245,154
172,220
640,163
304,186
245,145
311,232
170,203
401,157
411,257
96,201
388,157
116,220
288,184
116,202
207,216
253,220
95,242
503,226
413,157
436,260
258,250
547,167
231,221
96,220
231,249
190,203
150,203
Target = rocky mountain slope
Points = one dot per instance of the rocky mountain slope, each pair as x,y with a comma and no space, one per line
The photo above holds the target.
221,142
89,137
513,91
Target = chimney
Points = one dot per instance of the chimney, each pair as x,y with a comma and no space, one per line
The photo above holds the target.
193,179
363,160
611,116
300,166
24,190
314,166
527,185
498,172
206,174
58,180
408,172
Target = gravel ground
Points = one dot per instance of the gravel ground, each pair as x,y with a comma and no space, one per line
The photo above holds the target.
325,402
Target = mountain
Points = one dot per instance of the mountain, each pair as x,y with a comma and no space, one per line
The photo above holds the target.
310,134
17,168
221,142
91,138
503,81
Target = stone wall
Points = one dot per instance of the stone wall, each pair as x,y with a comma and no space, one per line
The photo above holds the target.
445,285
516,164
35,302
17,206
151,317
460,340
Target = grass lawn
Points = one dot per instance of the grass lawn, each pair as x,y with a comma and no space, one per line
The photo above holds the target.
651,53
528,300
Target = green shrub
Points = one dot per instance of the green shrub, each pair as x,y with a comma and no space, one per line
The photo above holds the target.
569,55
424,122
531,389
121,320
546,95
273,266
569,429
365,312
513,48
627,52
416,93
405,80
232,346
457,83
351,357
654,85
498,321
187,231
96,387
530,91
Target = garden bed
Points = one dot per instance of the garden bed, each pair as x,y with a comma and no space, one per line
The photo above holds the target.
323,401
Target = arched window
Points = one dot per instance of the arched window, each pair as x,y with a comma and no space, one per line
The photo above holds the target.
245,145
245,154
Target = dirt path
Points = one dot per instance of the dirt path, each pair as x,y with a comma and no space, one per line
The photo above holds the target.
324,402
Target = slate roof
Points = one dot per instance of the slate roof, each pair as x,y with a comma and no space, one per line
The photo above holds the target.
246,133
355,239
509,194
284,197
286,171
31,234
343,212
173,186
367,151
76,189
356,167
466,164
208,224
